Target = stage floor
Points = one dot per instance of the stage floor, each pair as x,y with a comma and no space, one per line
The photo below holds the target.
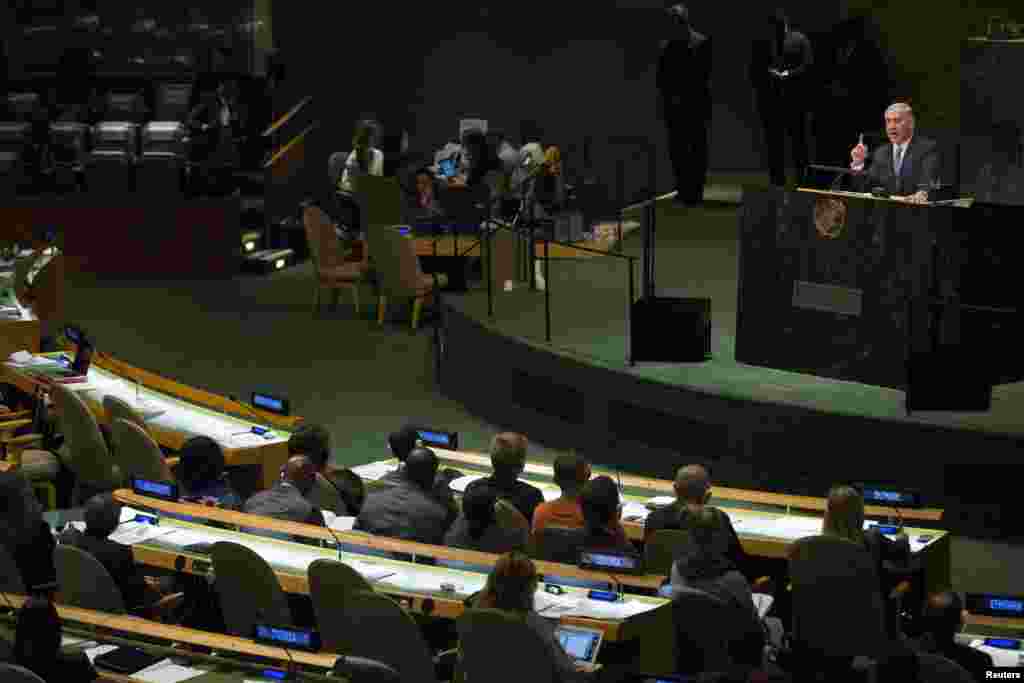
697,255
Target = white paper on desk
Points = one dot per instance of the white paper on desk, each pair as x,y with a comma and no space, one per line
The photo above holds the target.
246,440
429,582
763,602
551,494
553,605
660,501
166,671
128,514
68,641
341,522
1000,657
179,538
372,571
93,652
138,532
459,485
374,470
631,511
599,609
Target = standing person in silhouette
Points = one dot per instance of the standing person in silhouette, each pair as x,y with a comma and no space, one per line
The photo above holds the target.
684,91
779,69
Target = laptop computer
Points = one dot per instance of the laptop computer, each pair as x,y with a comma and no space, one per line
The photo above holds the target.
582,644
447,168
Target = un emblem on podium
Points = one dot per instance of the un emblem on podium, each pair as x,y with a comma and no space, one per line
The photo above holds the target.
830,217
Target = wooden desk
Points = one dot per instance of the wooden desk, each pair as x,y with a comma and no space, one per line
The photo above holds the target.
189,412
16,335
426,601
935,556
648,582
1004,624
135,626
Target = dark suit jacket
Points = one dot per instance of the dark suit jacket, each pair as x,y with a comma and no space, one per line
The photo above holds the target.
117,560
684,71
674,517
404,511
525,497
284,502
34,557
920,167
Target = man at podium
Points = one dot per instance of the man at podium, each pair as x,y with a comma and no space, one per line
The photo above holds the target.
905,167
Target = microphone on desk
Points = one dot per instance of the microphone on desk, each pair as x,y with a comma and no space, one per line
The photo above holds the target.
335,537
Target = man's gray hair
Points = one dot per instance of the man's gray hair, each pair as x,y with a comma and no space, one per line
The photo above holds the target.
900,108
680,10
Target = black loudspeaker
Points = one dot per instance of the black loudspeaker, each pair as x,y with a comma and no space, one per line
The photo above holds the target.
949,379
671,329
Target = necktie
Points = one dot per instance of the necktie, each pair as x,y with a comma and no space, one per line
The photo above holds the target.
899,158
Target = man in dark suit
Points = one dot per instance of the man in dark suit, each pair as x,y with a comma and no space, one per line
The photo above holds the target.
508,460
314,441
905,166
693,491
683,76
408,510
286,500
102,517
942,618
779,71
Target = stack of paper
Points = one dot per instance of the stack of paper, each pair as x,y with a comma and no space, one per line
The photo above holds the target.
375,470
1000,657
166,671
634,512
599,609
555,605
131,533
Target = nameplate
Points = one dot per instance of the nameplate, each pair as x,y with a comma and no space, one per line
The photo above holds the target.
827,298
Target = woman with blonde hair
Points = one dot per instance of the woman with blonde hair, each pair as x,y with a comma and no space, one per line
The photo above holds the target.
510,587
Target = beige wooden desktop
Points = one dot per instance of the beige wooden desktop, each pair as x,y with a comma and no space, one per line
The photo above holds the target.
935,557
646,582
145,629
268,457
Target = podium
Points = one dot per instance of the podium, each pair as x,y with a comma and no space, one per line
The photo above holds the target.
842,285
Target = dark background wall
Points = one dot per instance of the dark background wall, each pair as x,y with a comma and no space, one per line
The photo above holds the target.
577,69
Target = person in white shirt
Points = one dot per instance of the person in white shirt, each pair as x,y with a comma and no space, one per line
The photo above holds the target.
365,158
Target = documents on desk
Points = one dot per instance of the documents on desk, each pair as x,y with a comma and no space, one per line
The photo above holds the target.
166,671
1000,657
130,533
338,522
374,471
462,483
554,606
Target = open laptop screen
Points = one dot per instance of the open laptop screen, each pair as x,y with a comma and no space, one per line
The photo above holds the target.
580,644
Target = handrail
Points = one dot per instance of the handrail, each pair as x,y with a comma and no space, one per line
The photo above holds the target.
291,143
285,118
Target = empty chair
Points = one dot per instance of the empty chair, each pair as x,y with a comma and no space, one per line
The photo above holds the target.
398,272
9,673
500,648
837,606
330,270
712,635
137,454
662,549
363,670
248,589
119,409
69,146
111,163
330,583
164,137
87,453
378,628
86,583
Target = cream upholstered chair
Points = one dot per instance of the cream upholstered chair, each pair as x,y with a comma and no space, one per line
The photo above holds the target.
498,647
137,454
378,628
399,274
10,673
87,453
40,467
330,583
329,266
831,577
84,582
116,408
248,589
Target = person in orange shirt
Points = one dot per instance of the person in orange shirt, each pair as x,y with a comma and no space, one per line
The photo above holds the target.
571,473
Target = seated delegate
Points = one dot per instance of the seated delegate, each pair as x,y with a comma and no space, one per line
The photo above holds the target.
477,527
408,510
